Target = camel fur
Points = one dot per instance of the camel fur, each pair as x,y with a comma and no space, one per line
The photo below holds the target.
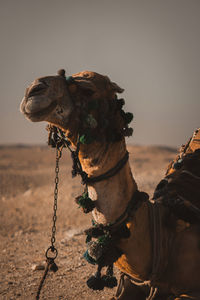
62,103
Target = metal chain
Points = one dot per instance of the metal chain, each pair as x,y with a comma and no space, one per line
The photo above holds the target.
58,156
52,252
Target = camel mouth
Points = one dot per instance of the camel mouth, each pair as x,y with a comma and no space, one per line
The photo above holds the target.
40,113
35,104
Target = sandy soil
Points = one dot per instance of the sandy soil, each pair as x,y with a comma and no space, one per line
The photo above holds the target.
26,201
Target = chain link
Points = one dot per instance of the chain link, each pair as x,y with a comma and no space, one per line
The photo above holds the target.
53,238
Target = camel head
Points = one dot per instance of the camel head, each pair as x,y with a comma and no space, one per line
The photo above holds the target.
47,99
84,103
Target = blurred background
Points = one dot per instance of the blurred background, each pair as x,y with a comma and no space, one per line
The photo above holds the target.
150,48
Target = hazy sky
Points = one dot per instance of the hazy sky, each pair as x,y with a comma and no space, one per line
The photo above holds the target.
149,47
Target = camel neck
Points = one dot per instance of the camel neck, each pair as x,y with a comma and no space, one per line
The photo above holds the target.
113,194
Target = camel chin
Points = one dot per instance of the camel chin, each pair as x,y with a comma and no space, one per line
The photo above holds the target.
37,109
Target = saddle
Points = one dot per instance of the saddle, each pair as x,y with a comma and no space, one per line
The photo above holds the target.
180,189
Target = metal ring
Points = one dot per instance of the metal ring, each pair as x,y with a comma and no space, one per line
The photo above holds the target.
52,250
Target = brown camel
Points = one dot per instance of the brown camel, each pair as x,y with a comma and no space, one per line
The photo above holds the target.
160,254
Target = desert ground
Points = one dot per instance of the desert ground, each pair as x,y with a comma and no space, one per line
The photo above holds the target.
26,201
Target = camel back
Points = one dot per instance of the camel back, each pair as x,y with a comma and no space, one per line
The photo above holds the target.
180,190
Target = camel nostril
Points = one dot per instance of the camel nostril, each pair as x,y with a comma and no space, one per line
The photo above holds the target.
37,89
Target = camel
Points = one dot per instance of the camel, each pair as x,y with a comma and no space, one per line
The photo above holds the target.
158,252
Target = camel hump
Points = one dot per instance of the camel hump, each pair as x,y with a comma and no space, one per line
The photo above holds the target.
180,190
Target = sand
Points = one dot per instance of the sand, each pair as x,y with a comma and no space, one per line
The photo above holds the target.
26,209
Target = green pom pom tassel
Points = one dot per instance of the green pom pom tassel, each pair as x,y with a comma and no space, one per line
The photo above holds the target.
104,240
120,103
109,281
83,139
128,117
88,239
128,132
89,259
98,248
95,232
95,283
86,138
85,202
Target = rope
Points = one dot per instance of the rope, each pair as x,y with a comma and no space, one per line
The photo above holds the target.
120,285
152,294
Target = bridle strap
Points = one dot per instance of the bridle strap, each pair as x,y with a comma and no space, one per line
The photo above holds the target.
58,138
111,172
134,203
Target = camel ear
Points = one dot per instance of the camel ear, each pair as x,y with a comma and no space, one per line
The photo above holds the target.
116,88
61,73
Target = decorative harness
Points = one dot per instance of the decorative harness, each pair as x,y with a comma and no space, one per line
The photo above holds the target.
101,239
103,251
